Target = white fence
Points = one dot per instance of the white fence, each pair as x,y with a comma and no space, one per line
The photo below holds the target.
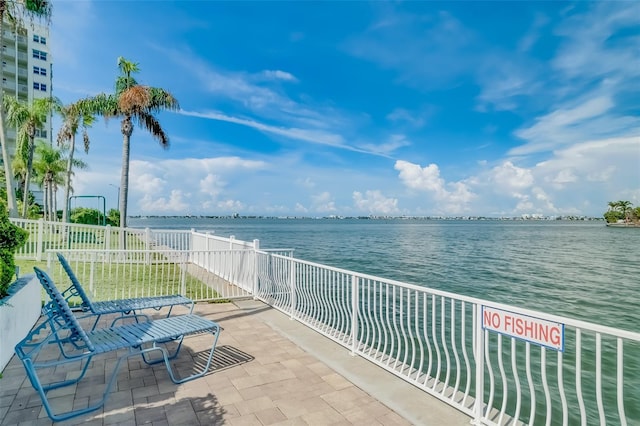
51,236
443,343
44,236
462,350
200,275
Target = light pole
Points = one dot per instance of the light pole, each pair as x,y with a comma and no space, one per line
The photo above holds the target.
118,188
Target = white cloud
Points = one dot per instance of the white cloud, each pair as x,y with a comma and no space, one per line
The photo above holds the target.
590,50
415,119
230,205
509,178
324,202
375,202
316,136
212,185
306,183
564,177
147,182
279,75
387,148
453,197
175,203
533,34
190,183
506,79
568,125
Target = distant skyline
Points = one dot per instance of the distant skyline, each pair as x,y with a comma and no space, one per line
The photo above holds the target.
355,108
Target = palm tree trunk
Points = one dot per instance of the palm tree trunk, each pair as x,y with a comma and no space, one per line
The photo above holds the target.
52,212
46,199
54,200
8,174
67,186
127,129
27,179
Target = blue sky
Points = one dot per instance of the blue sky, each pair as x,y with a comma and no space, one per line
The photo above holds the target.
356,108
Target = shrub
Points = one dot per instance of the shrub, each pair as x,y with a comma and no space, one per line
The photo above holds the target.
11,238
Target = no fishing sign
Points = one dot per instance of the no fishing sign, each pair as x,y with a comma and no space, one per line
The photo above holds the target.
535,330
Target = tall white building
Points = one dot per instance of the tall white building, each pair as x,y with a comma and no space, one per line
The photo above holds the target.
27,73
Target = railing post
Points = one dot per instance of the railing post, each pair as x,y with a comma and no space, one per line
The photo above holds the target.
479,356
92,266
183,274
292,283
40,240
147,244
355,300
256,247
107,237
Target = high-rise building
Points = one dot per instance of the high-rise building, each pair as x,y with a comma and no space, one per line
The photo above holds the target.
26,66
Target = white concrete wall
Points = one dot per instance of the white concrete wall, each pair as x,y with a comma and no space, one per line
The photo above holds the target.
18,316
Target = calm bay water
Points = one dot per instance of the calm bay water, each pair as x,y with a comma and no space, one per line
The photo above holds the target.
581,270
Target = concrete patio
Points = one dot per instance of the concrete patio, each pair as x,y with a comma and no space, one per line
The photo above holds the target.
268,370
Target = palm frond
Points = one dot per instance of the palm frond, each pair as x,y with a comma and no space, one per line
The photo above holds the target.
134,100
149,122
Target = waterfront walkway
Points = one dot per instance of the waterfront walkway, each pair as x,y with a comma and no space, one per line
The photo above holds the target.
269,370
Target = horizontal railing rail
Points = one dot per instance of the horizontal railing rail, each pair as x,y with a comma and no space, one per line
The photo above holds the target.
447,345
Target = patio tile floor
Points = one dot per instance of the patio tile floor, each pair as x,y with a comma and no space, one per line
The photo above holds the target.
260,377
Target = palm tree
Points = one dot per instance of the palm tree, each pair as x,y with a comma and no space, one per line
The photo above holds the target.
19,165
50,167
27,118
16,11
74,116
133,103
46,169
624,207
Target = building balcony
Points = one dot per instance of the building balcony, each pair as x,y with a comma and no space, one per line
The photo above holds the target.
10,37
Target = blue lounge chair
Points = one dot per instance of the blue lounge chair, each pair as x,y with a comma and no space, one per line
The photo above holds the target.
121,306
139,338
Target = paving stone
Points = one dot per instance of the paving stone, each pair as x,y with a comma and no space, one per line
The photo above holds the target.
271,381
270,416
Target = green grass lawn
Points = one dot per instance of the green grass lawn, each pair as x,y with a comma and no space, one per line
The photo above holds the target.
108,281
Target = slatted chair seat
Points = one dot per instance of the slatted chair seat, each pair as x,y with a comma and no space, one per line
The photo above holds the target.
138,304
138,334
139,338
119,306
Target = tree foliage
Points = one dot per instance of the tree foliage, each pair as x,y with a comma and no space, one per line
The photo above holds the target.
622,210
12,237
133,103
75,116
86,216
27,117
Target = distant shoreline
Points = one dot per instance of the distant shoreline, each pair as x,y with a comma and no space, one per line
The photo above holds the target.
373,217
623,225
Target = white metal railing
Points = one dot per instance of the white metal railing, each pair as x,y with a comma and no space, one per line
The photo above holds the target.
441,343
209,241
117,274
44,235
